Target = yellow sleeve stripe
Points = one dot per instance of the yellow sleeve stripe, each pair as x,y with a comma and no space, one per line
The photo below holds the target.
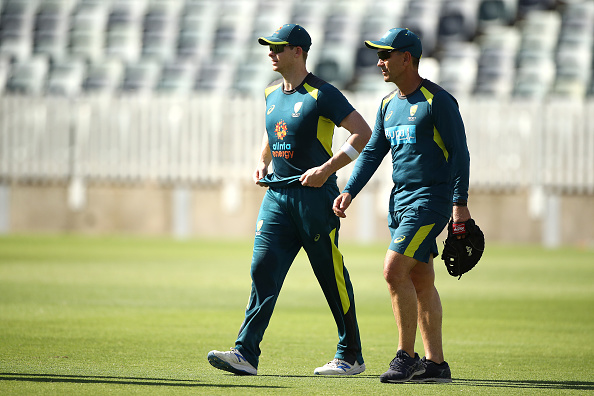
436,136
325,125
271,89
326,133
439,141
339,274
419,237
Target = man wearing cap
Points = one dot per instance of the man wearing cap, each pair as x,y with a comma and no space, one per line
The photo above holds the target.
420,124
296,211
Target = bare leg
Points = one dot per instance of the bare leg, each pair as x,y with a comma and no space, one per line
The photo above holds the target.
429,310
397,272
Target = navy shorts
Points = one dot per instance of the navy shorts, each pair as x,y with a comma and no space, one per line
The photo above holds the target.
414,232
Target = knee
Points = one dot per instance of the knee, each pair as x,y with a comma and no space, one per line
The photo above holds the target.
395,274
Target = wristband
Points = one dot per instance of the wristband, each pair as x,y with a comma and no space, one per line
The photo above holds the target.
460,203
350,151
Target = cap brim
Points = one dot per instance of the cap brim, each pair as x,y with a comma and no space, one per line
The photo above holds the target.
271,40
377,45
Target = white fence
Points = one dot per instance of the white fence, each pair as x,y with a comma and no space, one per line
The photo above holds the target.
208,139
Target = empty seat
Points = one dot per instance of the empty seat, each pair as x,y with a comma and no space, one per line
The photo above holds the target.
141,77
527,6
28,76
214,76
494,83
534,78
65,77
570,83
252,78
51,30
197,25
89,45
87,31
177,78
124,33
104,76
496,12
457,21
371,83
188,45
336,64
458,68
4,72
422,19
16,30
159,33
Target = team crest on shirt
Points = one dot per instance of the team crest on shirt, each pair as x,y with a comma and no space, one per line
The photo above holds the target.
280,130
258,226
296,109
413,110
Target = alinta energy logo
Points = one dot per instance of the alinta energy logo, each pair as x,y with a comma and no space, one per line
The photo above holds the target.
281,149
280,129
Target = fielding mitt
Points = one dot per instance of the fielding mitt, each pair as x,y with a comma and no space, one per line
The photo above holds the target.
461,255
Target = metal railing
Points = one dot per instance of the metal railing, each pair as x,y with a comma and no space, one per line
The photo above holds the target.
210,139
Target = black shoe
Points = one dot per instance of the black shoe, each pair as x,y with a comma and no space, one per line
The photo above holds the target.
434,372
403,368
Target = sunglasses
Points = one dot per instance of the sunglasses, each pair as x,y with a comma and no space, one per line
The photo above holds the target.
385,54
278,48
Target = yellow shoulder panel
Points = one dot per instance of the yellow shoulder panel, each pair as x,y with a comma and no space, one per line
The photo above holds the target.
312,91
272,88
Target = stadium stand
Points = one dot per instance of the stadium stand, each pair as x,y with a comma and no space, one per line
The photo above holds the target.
529,49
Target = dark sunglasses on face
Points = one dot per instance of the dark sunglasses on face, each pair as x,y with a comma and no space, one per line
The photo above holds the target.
278,48
385,54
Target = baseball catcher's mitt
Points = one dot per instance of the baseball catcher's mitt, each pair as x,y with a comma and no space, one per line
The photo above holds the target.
461,255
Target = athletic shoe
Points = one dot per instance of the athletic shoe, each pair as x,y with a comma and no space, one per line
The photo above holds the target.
434,372
340,367
232,361
403,368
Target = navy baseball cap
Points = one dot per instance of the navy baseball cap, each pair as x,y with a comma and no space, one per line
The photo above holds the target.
289,34
398,39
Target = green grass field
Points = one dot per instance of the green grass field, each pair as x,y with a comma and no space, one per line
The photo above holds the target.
92,316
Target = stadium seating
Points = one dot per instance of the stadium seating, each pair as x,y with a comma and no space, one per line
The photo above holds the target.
529,49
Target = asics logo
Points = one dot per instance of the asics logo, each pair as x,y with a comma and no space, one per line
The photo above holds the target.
239,357
343,366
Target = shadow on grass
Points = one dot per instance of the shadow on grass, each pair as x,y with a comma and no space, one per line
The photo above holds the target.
518,384
88,379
